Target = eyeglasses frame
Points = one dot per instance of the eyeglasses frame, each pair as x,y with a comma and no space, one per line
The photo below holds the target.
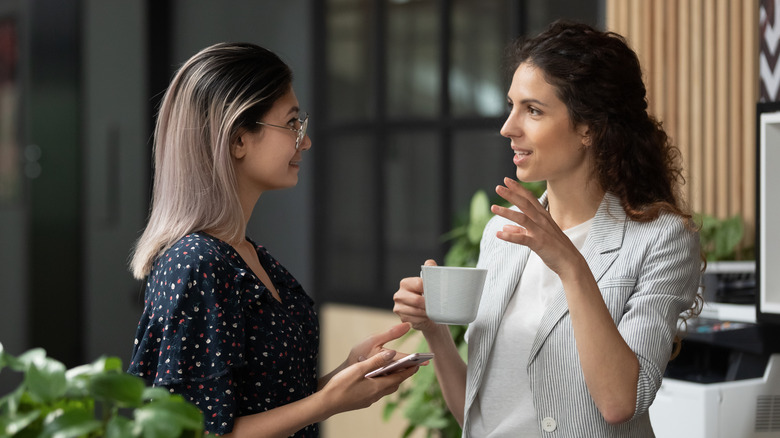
303,120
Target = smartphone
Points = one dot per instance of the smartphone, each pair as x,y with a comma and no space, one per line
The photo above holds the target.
400,364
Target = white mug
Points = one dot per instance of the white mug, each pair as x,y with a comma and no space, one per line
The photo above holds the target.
452,293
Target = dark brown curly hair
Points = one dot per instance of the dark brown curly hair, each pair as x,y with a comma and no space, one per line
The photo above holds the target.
598,76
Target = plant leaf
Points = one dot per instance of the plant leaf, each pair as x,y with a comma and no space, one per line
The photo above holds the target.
479,215
11,424
462,253
119,427
155,393
45,380
408,431
71,423
9,404
174,411
728,237
125,389
29,357
388,410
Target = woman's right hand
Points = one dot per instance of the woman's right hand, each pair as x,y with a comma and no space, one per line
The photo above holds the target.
410,304
349,389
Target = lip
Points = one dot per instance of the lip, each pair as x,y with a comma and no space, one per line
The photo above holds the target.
520,155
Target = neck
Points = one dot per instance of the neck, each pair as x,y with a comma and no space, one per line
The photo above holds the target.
248,202
571,206
247,205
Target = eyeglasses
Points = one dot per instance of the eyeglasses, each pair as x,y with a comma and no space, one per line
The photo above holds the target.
303,123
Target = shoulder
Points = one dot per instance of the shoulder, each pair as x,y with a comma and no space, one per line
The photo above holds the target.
198,249
197,246
196,253
667,247
666,227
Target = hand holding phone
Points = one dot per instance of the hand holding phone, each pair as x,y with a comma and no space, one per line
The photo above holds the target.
400,364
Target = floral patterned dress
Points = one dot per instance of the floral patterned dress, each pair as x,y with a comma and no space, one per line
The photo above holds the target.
211,331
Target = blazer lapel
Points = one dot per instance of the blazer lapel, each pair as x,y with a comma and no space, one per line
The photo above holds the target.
500,287
600,251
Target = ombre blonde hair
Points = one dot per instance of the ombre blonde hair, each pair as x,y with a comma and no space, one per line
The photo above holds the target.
215,96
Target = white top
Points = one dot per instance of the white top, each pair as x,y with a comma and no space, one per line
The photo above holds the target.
504,405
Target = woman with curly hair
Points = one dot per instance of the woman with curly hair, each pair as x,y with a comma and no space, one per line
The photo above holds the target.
578,318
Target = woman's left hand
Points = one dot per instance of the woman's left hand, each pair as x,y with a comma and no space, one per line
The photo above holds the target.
368,348
535,227
375,343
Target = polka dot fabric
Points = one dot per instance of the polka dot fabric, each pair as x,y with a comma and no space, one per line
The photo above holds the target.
213,332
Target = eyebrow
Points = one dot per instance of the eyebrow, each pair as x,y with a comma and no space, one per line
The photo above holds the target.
294,109
536,101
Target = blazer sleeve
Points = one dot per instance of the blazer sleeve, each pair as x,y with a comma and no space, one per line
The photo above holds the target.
667,281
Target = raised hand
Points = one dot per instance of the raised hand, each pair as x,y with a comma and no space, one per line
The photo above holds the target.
535,227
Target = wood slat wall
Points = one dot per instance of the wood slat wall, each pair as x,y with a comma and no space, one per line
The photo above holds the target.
700,60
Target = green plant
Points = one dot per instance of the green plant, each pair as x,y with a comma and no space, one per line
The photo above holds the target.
422,401
93,400
720,238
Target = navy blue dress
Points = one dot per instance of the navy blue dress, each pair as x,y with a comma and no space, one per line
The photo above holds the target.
213,332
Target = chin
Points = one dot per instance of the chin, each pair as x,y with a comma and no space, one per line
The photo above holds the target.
522,176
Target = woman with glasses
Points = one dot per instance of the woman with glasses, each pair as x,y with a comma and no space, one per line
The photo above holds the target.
585,285
224,324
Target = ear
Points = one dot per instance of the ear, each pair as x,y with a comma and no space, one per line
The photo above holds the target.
584,131
238,148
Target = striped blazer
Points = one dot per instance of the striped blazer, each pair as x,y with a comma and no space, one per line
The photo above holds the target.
648,274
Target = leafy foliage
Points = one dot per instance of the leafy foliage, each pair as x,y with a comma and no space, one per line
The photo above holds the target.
721,238
93,400
422,401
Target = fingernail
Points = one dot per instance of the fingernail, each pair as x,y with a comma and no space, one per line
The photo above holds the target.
361,358
388,354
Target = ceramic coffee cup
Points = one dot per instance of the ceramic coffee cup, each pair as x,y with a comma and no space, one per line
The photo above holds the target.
452,293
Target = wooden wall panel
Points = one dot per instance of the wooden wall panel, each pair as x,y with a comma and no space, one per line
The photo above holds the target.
700,60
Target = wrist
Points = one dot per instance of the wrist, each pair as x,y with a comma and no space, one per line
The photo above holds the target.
574,270
323,409
437,333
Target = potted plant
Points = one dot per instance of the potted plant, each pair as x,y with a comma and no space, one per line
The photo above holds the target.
93,400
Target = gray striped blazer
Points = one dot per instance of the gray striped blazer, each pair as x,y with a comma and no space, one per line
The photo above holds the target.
648,274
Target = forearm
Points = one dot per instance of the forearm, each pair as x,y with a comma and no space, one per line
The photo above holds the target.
282,421
450,369
610,367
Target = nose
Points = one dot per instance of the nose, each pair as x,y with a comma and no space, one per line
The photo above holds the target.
511,126
305,143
